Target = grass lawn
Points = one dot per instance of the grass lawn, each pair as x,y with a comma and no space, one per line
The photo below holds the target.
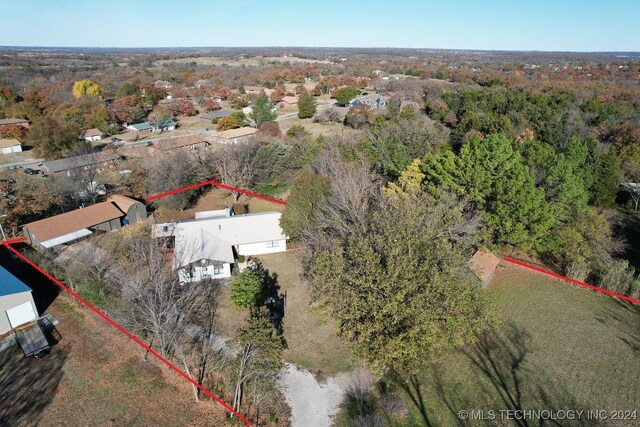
95,376
557,346
311,342
317,129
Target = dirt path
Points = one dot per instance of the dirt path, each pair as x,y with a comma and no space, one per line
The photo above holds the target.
312,403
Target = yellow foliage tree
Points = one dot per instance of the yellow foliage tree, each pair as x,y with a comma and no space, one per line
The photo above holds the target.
409,184
86,87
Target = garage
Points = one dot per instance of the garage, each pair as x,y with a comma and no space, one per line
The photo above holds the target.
9,146
16,302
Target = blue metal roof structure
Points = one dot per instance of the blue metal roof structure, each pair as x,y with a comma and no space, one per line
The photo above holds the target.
10,284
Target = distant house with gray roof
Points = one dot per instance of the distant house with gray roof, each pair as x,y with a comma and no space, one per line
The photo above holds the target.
217,114
371,101
70,164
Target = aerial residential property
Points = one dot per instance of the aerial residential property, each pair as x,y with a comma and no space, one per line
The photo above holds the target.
209,245
146,127
69,165
16,302
320,214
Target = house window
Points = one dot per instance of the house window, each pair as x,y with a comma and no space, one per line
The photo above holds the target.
273,244
206,274
165,228
218,269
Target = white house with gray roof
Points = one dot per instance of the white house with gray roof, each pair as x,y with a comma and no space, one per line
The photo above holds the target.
206,247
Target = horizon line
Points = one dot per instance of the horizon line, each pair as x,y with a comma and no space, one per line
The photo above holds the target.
321,47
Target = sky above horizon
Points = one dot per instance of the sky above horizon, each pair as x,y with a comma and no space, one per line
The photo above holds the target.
550,25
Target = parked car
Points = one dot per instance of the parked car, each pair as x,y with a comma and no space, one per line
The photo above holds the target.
30,171
114,139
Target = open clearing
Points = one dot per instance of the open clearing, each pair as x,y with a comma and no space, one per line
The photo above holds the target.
557,346
95,376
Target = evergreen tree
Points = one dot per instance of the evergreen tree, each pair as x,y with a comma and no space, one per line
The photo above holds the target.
346,94
306,192
263,110
306,105
497,179
607,179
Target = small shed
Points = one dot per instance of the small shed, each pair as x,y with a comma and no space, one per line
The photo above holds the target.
483,264
16,302
8,146
92,134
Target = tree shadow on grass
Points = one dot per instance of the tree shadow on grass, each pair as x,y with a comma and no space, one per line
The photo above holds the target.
28,385
501,380
624,317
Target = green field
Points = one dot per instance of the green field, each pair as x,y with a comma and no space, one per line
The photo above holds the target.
557,347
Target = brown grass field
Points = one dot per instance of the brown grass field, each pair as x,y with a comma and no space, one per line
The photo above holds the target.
95,376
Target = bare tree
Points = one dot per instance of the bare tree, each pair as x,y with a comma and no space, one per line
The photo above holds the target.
201,350
354,193
234,164
155,303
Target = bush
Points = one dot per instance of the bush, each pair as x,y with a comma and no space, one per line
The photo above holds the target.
226,123
359,116
619,277
240,208
330,115
270,129
578,270
297,131
246,289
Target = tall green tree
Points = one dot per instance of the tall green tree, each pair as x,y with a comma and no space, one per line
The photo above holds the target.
263,110
54,139
399,291
607,179
246,289
306,192
346,94
306,105
259,358
499,181
490,173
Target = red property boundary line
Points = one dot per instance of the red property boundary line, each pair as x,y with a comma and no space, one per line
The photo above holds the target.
8,243
574,281
215,184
